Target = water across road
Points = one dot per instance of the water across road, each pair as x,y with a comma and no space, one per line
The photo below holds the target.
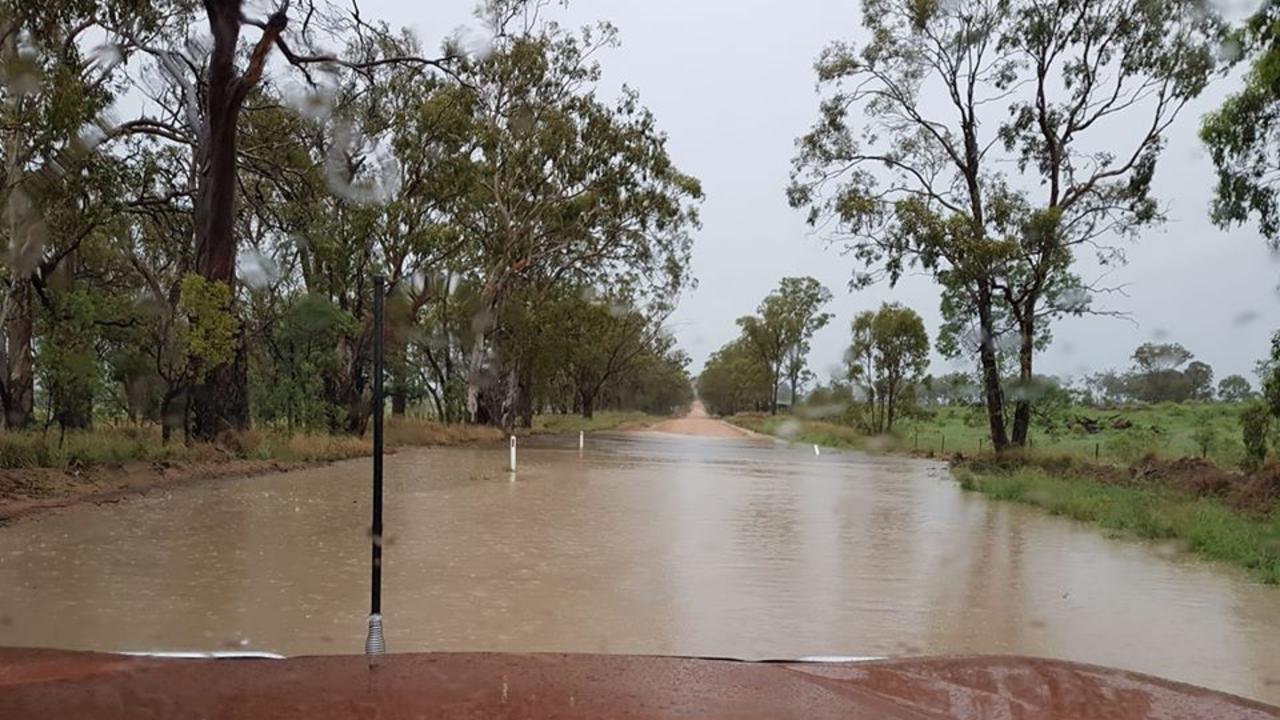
646,542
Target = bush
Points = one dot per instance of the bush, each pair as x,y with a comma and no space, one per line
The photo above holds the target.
1205,436
23,450
1255,420
1135,444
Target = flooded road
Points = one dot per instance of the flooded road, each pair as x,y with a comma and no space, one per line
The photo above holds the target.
647,543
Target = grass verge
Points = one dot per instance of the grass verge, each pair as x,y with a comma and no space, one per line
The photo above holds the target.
811,432
1189,504
119,445
1205,526
107,445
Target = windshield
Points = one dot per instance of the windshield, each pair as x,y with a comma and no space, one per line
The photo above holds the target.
731,330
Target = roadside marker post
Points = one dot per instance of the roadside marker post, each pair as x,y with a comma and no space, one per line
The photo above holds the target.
816,451
513,453
582,440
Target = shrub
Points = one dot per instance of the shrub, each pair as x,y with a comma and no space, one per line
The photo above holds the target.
1205,436
1255,420
1134,444
23,450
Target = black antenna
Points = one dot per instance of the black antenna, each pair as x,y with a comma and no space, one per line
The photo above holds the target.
373,644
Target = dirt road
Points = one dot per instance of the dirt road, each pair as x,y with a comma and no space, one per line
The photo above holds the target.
698,424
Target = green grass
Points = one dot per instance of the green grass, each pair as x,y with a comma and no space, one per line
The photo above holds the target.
1165,430
810,432
1060,474
1203,526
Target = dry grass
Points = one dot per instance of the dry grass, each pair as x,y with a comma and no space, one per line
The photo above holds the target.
109,445
407,431
603,420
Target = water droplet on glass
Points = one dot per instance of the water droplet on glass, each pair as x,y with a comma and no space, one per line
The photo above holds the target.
26,244
258,270
348,179
1245,317
788,429
1230,50
471,42
106,56
311,102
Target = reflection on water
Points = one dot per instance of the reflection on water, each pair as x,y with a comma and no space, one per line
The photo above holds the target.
647,544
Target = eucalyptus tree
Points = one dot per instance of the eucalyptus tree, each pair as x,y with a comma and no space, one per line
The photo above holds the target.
603,339
564,187
965,139
213,87
780,331
889,352
62,66
1243,134
735,379
1089,75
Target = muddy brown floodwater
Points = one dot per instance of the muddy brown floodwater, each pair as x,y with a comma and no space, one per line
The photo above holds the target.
646,543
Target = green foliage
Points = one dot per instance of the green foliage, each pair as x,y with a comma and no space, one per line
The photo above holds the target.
210,333
67,361
1051,405
1136,443
1158,376
889,352
1243,134
906,186
1255,421
289,387
485,194
1203,526
780,331
1234,389
735,380
1269,370
1206,436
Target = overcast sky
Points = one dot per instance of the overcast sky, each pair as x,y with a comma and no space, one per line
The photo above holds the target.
732,84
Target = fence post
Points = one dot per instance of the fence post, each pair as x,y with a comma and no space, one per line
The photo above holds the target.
944,443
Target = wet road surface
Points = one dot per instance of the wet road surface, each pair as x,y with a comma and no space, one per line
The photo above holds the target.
646,543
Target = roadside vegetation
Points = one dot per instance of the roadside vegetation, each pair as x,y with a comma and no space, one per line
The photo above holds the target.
1189,506
534,234
1156,451
120,445
993,197
1176,471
